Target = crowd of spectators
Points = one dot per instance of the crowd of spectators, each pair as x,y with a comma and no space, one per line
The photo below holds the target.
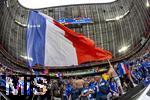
117,81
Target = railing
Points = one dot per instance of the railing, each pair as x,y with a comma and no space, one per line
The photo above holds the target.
4,96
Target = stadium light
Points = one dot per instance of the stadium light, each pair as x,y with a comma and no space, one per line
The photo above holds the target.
147,4
27,58
124,48
19,23
38,4
118,17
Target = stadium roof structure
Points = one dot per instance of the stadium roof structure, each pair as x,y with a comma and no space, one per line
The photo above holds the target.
38,4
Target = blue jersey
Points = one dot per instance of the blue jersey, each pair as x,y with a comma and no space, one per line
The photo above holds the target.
103,87
140,72
28,88
113,86
92,86
96,87
68,90
86,90
147,81
135,75
118,73
146,64
75,94
2,82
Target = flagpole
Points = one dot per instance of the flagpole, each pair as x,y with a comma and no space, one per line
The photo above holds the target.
109,63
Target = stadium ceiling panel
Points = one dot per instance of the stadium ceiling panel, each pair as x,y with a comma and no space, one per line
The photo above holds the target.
38,4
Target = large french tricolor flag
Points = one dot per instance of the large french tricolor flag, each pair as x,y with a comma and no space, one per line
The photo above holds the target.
51,44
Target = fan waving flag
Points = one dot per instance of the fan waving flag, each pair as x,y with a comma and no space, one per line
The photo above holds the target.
122,67
51,44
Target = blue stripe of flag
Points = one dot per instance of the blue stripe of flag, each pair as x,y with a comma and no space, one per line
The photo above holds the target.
35,38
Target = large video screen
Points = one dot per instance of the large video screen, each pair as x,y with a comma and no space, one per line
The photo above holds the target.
79,20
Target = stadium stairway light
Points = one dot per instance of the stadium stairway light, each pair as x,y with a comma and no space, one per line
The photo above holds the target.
7,4
118,17
38,4
27,58
124,48
147,3
19,23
